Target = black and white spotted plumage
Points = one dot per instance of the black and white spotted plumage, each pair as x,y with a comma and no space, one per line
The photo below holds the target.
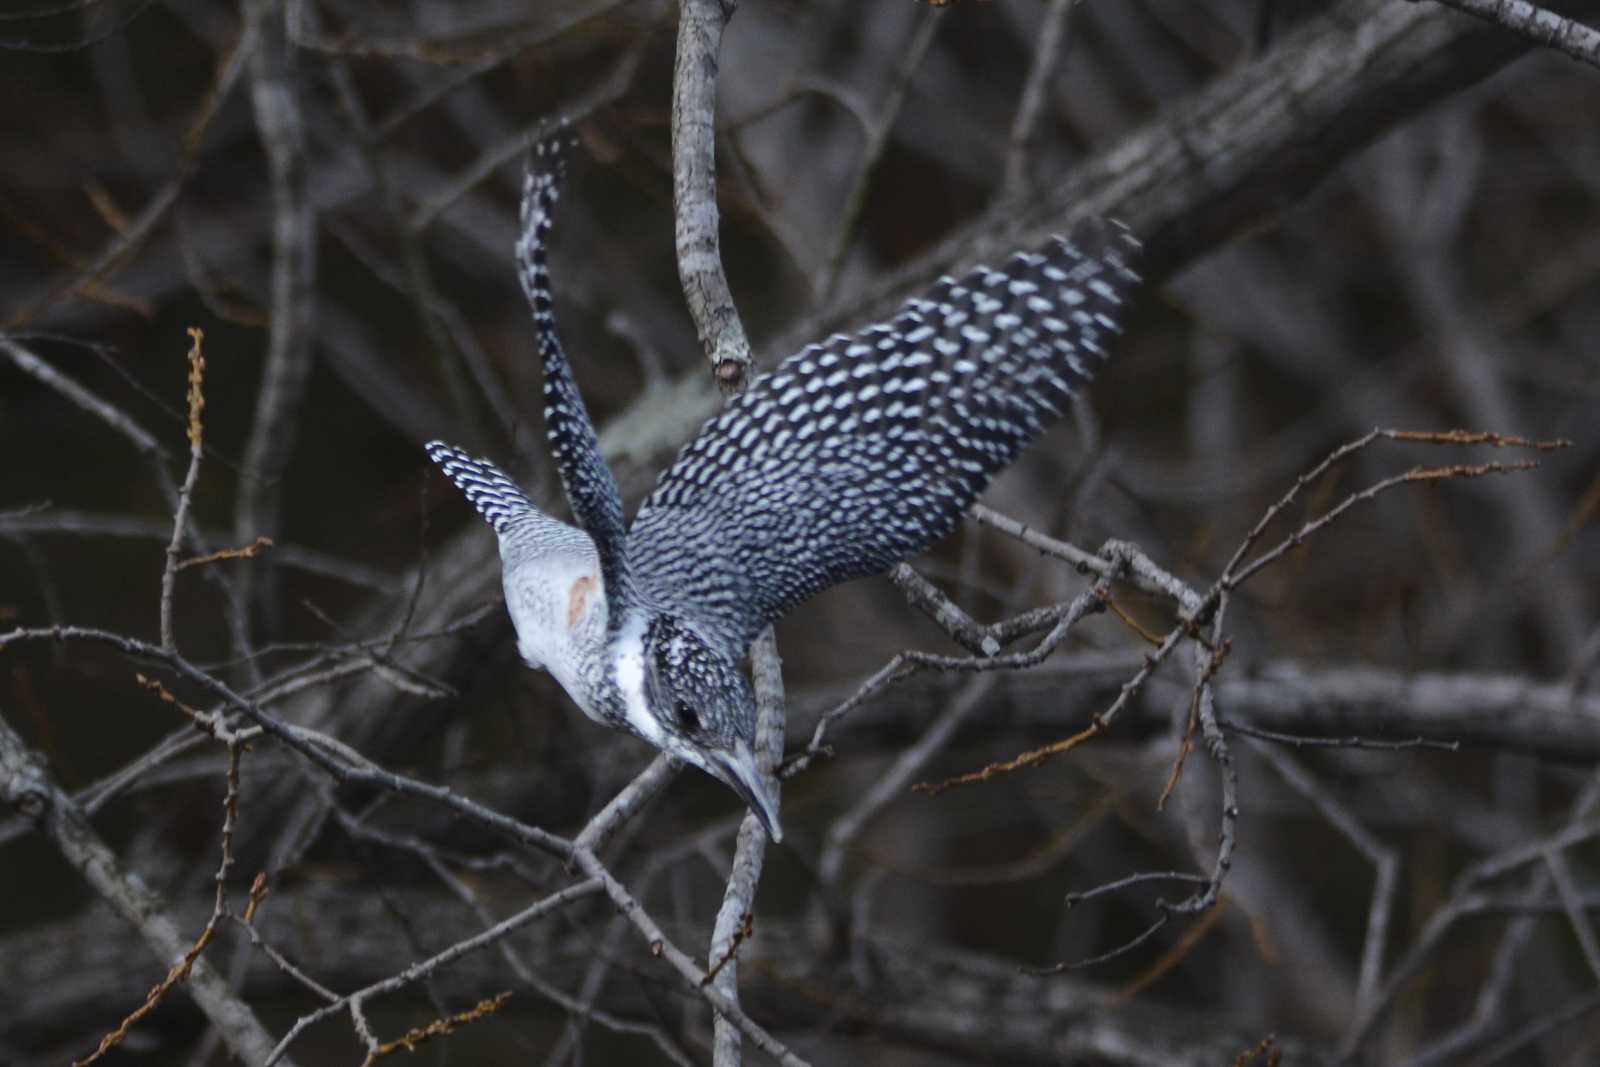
855,453
591,490
862,450
498,499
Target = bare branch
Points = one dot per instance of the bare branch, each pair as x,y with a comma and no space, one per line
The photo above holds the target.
36,368
682,962
1386,868
275,98
424,968
26,785
694,190
733,923
877,130
180,518
1567,36
1054,35
1233,154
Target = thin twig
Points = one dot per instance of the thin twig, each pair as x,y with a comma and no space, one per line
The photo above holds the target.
180,518
878,131
440,861
734,925
1385,864
1350,741
259,891
250,551
1054,35
1175,955
422,969
1235,573
66,521
275,100
1185,746
409,1041
906,664
1119,951
182,969
1415,474
681,962
1032,758
893,782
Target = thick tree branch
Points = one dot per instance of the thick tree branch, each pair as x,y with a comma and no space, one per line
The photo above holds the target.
1232,156
1570,38
1322,703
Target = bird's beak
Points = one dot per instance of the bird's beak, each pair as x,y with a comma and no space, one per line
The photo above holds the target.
738,769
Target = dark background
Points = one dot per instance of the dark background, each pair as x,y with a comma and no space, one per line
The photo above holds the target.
1433,263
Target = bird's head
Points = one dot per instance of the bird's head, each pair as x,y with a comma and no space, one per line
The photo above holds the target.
699,708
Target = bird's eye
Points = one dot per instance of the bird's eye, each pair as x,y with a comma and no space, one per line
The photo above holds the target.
688,718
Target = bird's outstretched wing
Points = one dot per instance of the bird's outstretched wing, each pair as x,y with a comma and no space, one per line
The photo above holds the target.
526,534
498,499
591,490
862,450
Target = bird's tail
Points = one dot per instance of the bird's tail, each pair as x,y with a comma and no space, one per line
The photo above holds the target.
491,491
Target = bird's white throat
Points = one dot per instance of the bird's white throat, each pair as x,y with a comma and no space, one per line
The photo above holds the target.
628,656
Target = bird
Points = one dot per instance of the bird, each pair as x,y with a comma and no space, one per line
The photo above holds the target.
852,455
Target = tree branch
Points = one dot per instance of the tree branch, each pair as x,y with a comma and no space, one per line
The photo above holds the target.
1570,38
275,98
26,786
1232,156
694,191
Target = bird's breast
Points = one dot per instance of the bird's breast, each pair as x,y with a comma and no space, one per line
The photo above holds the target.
558,608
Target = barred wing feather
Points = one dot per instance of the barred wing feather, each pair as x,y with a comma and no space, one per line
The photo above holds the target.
862,450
